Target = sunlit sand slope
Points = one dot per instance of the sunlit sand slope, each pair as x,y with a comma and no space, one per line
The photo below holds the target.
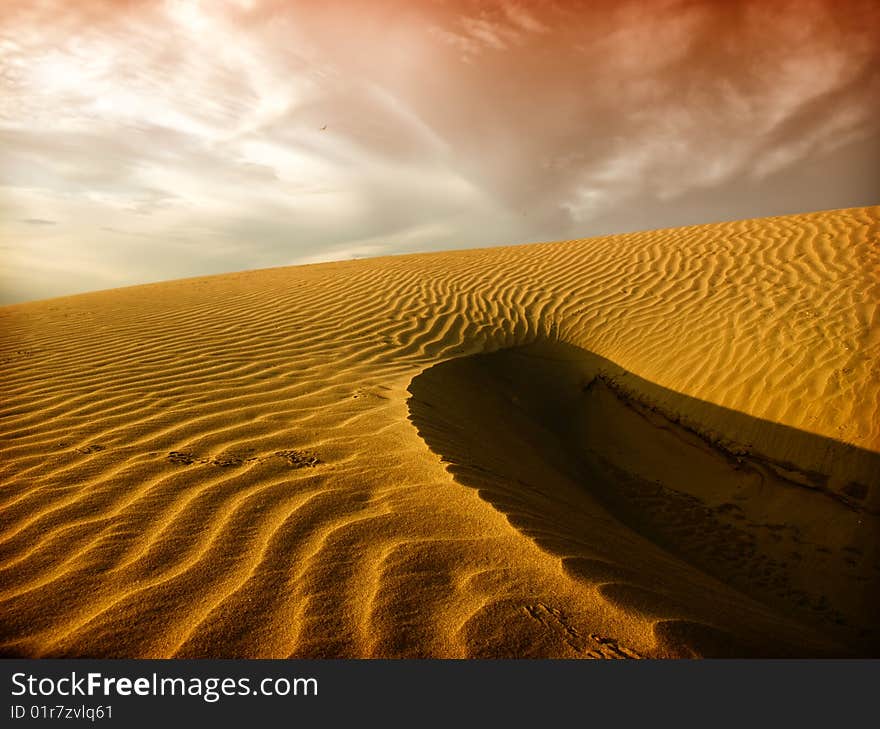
656,444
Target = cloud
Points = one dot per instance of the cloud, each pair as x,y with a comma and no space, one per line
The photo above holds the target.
183,137
482,27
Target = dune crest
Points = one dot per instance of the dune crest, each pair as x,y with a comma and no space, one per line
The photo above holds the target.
654,444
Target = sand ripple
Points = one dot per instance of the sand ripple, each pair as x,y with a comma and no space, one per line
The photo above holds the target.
328,460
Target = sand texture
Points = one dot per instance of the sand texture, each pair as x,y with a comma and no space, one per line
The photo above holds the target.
645,445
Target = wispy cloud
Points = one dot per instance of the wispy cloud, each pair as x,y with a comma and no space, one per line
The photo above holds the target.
178,137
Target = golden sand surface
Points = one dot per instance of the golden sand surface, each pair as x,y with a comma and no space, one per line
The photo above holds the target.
663,443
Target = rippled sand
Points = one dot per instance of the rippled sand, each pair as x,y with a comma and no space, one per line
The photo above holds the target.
655,444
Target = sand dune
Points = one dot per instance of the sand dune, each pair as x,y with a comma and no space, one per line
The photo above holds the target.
654,444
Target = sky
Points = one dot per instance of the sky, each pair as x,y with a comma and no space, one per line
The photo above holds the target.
146,140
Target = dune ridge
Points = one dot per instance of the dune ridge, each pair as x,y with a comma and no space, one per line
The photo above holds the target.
321,460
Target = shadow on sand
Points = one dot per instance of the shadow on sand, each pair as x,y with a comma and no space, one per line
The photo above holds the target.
761,545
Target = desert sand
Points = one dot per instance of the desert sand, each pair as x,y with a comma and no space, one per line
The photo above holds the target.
658,444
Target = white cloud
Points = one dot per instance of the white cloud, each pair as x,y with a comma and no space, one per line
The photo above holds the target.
169,139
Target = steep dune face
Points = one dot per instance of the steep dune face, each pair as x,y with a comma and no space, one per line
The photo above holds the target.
330,460
632,500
